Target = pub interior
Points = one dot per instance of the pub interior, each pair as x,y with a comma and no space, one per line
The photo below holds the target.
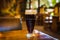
29,19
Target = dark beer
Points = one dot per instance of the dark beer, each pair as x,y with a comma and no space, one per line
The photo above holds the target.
30,22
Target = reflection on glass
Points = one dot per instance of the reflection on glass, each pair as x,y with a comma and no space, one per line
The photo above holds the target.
44,36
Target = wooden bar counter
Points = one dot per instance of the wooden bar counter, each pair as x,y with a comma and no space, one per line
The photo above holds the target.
21,35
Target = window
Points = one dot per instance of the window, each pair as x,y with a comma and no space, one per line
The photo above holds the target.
33,4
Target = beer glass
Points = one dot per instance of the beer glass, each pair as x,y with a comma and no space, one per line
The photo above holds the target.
30,16
30,22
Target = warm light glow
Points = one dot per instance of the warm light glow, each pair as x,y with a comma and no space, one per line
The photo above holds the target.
46,12
50,10
10,10
18,16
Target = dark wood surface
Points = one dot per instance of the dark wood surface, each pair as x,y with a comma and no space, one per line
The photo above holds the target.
54,24
21,35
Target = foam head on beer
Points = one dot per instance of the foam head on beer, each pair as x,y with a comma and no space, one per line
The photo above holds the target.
30,12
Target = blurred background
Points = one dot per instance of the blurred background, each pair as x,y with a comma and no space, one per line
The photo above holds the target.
12,15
